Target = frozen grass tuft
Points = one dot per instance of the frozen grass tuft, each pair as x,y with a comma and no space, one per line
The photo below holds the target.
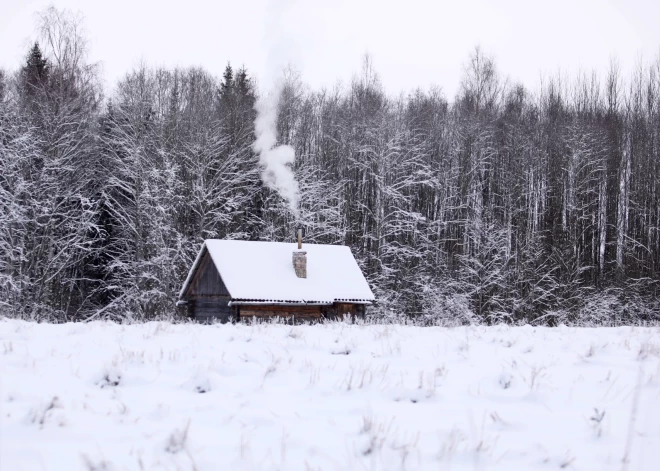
92,465
505,380
596,420
647,349
43,413
178,440
110,378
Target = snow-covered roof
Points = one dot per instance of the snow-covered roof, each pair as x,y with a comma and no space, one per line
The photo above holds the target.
263,272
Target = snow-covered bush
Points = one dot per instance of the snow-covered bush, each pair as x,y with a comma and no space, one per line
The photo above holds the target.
447,309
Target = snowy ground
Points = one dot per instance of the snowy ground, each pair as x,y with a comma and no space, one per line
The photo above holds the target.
102,396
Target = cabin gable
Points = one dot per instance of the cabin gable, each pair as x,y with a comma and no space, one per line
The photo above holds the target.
206,281
206,295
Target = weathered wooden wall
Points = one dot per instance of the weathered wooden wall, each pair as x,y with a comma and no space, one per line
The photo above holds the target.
210,309
272,310
310,313
207,295
340,310
206,281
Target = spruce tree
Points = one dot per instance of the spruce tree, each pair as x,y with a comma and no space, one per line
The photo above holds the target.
227,86
35,71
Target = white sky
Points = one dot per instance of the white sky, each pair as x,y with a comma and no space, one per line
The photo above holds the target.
413,43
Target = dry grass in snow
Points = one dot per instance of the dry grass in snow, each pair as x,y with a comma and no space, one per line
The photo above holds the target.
102,396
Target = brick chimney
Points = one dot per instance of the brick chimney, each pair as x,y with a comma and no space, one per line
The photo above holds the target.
300,258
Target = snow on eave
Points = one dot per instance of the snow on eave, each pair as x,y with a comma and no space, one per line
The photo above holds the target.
280,302
267,302
354,301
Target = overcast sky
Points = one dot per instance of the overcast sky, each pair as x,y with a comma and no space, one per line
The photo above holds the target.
413,43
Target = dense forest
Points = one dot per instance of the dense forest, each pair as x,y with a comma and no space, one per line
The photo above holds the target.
498,205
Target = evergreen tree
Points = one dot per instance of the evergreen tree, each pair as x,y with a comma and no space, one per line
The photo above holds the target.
35,71
227,85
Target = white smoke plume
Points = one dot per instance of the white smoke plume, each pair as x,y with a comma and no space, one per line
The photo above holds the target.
281,50
277,161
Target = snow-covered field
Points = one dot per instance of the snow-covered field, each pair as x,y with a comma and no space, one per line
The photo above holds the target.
102,396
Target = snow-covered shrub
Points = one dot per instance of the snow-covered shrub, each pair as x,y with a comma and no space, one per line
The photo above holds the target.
553,317
447,308
601,309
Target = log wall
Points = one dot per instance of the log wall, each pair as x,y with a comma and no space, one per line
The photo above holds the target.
274,310
208,309
335,311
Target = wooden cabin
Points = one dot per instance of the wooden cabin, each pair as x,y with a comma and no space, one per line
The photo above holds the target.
234,280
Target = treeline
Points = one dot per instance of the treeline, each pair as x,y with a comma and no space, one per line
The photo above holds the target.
497,205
